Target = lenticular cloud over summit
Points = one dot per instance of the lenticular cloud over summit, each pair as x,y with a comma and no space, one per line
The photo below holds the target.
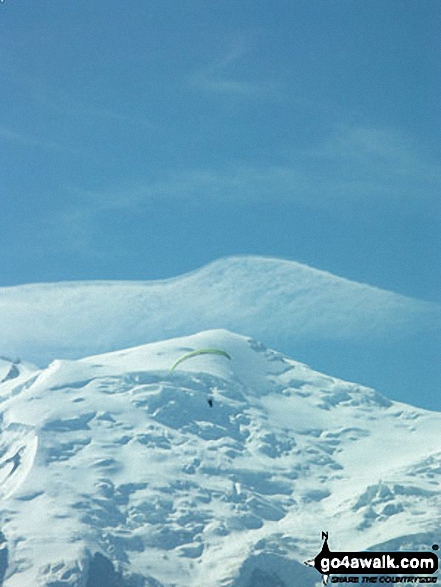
281,302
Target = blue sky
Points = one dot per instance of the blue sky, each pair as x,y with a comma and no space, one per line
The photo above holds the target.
143,139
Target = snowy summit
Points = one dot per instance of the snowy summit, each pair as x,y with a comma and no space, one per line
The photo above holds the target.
116,472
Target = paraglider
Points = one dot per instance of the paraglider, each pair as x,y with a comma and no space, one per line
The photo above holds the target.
199,352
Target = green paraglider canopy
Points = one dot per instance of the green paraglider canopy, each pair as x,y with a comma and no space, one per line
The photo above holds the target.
199,352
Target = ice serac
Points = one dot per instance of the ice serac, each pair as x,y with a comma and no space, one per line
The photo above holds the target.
115,472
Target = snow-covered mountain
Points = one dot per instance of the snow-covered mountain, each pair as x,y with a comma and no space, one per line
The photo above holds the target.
116,472
348,329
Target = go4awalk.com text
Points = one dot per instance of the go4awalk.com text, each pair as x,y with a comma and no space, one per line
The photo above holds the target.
383,580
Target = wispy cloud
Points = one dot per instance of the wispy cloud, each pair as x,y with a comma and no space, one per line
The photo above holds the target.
220,75
380,149
238,183
82,109
57,100
358,162
355,165
12,136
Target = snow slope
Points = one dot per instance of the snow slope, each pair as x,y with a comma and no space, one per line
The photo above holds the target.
115,472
